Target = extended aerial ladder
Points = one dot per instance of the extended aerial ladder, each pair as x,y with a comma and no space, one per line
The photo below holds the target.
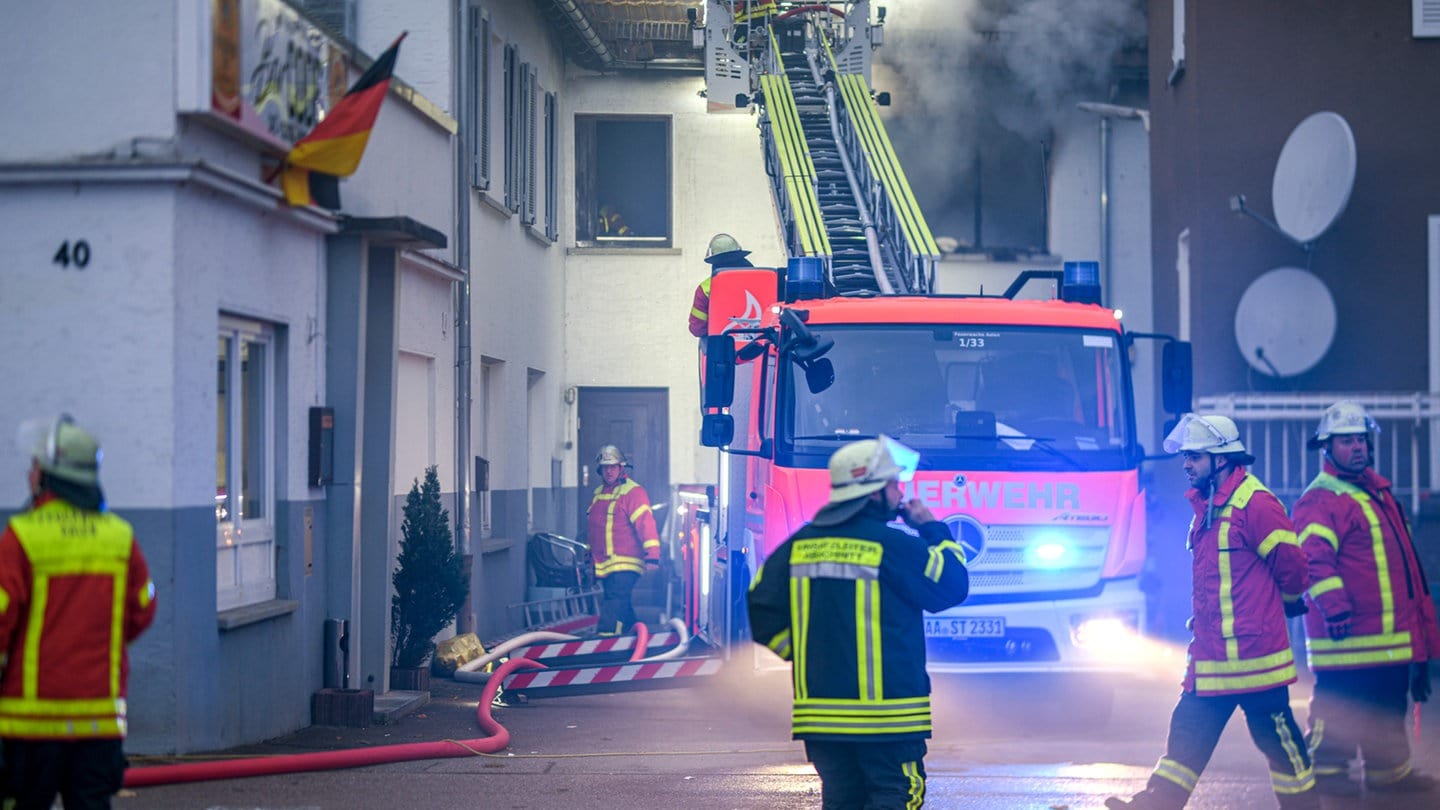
840,192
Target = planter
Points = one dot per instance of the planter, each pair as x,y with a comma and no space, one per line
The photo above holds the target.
410,679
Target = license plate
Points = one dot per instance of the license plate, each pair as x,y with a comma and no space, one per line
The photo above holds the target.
966,627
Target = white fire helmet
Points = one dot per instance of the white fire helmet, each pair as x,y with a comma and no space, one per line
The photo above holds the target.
62,448
1205,433
610,454
860,468
1342,418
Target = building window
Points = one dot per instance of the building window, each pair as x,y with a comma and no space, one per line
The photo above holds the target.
552,168
480,100
622,181
245,464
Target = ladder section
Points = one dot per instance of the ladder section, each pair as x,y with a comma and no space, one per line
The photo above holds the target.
792,171
906,235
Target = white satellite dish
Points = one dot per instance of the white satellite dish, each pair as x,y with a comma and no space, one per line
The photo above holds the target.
1285,322
1314,176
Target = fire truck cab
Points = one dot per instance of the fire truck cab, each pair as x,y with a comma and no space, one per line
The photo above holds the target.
1022,412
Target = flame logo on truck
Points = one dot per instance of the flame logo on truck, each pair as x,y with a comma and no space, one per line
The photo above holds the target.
969,534
751,318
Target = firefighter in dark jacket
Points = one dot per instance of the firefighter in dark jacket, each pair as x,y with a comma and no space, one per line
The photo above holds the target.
1249,575
863,709
1373,633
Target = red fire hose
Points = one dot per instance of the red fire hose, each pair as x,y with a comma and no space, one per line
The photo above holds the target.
352,758
642,640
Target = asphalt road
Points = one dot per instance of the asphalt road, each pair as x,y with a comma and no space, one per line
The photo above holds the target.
999,743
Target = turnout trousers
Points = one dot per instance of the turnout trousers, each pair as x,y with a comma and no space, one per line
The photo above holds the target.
85,773
869,775
1365,709
617,610
1195,728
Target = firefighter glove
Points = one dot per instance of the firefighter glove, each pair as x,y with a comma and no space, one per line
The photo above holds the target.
1296,607
1420,681
1338,626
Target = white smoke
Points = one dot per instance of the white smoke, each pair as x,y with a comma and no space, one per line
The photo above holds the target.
963,73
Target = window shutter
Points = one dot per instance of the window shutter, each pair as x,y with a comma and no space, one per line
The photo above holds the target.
512,129
552,227
480,105
1426,18
530,140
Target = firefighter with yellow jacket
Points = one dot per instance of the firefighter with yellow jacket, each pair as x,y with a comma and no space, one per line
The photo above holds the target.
843,599
1374,631
623,540
1249,574
74,592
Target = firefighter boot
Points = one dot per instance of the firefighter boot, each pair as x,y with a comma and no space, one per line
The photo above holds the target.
1411,782
1149,799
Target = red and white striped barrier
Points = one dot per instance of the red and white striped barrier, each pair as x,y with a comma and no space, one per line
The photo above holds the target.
594,646
612,678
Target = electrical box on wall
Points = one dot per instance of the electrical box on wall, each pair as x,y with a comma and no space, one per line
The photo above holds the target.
322,446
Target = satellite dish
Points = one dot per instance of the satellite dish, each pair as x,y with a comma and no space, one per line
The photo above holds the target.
1285,322
1314,176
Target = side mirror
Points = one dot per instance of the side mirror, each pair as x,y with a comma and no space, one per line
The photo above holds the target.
717,430
1176,376
819,375
719,390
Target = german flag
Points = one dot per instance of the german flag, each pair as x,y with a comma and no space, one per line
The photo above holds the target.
334,147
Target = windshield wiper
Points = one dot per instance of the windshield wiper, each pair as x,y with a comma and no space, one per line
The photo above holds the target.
834,437
1045,443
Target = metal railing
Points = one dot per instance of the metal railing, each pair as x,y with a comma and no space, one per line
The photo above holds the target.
1275,427
538,612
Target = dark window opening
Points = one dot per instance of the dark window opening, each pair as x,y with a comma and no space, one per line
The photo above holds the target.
622,181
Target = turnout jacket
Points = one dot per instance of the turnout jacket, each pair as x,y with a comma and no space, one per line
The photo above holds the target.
1362,562
845,603
621,529
74,591
1245,563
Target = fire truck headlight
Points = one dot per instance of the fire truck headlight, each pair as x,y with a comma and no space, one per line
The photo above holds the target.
1105,632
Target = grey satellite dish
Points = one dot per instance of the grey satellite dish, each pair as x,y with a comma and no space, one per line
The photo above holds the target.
1285,322
1314,176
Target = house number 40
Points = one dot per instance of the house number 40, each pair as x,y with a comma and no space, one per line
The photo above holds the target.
76,253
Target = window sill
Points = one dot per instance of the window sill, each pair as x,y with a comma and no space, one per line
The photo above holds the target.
497,205
539,235
235,618
622,251
490,544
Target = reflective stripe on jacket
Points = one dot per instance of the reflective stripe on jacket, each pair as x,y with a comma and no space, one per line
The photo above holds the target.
845,603
621,529
74,590
700,309
1245,564
1362,562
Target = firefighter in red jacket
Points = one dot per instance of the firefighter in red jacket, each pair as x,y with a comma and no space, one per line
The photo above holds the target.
74,591
622,537
1373,632
1249,574
723,252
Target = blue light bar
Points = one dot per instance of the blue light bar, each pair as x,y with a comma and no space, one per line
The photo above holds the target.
1080,282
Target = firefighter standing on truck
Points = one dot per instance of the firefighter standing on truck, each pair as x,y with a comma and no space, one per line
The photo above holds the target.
1249,574
723,252
623,539
1373,632
74,592
843,599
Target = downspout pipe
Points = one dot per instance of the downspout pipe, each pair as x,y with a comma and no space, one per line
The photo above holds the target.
465,620
1107,112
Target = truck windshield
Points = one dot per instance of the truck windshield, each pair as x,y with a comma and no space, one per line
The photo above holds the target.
967,397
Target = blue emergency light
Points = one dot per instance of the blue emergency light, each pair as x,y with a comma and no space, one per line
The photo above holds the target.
804,278
1080,282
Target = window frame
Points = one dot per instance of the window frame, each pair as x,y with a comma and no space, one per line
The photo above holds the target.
254,577
588,195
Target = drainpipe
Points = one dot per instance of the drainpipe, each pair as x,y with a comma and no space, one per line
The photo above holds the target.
1107,112
465,621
